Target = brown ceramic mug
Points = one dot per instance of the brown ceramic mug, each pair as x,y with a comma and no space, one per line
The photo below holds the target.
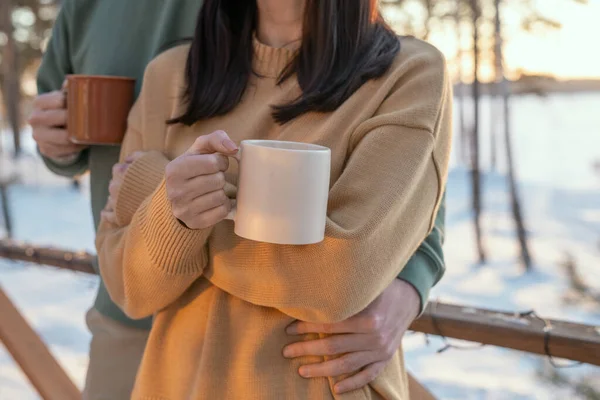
97,108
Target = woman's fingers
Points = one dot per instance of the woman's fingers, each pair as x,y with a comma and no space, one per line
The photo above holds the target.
208,218
191,212
216,142
195,181
184,193
190,166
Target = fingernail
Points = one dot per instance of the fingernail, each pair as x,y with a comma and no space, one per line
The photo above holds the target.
304,373
337,389
287,352
229,145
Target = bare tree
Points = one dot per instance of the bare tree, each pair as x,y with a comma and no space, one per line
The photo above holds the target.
505,92
6,216
460,91
11,74
475,173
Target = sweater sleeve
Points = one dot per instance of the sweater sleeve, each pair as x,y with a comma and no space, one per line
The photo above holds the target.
149,263
56,64
380,210
374,225
148,259
143,176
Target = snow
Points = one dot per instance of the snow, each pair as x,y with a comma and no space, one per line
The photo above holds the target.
556,143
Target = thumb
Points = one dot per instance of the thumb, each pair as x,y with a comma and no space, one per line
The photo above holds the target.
216,142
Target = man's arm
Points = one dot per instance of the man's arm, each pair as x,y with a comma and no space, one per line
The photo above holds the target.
426,267
361,346
60,155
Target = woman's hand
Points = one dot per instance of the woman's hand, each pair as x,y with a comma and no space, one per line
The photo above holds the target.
195,181
118,175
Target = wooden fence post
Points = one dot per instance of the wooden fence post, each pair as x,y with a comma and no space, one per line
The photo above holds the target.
32,355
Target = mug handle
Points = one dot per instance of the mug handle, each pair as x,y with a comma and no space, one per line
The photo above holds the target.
65,92
233,212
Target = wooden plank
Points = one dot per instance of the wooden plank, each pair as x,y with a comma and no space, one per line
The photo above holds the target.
525,333
34,358
73,261
417,391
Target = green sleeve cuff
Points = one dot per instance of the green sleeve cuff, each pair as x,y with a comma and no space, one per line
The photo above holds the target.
78,167
422,272
426,267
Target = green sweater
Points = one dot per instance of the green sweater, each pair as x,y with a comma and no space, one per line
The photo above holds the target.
120,37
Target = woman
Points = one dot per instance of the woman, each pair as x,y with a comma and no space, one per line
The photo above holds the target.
325,72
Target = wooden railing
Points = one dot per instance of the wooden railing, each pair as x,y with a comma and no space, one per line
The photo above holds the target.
518,331
32,355
525,331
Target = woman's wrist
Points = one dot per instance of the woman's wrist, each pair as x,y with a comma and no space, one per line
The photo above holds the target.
141,179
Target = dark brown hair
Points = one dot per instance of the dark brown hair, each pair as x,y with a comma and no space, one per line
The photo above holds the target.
345,43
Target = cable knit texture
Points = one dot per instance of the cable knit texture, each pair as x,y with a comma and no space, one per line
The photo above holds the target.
221,302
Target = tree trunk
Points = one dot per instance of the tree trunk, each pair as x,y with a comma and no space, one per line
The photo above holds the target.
475,173
6,216
495,95
429,11
11,75
460,94
514,197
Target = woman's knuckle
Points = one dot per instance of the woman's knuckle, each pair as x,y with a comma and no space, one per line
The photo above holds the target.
177,212
207,163
224,163
221,197
219,179
177,194
172,169
222,211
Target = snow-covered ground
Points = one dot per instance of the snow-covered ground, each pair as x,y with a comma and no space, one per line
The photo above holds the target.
557,141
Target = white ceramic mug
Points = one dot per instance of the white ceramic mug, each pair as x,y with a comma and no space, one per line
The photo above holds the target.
283,189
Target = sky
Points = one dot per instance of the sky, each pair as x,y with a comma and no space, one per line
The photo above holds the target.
570,52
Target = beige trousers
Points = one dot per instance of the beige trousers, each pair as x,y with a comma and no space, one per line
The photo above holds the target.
115,354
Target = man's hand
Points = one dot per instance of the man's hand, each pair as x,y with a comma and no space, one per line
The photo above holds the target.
118,175
366,341
48,120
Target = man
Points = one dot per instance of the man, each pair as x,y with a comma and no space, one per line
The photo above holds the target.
119,37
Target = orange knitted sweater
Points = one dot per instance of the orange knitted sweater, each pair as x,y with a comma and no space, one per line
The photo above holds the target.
222,303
